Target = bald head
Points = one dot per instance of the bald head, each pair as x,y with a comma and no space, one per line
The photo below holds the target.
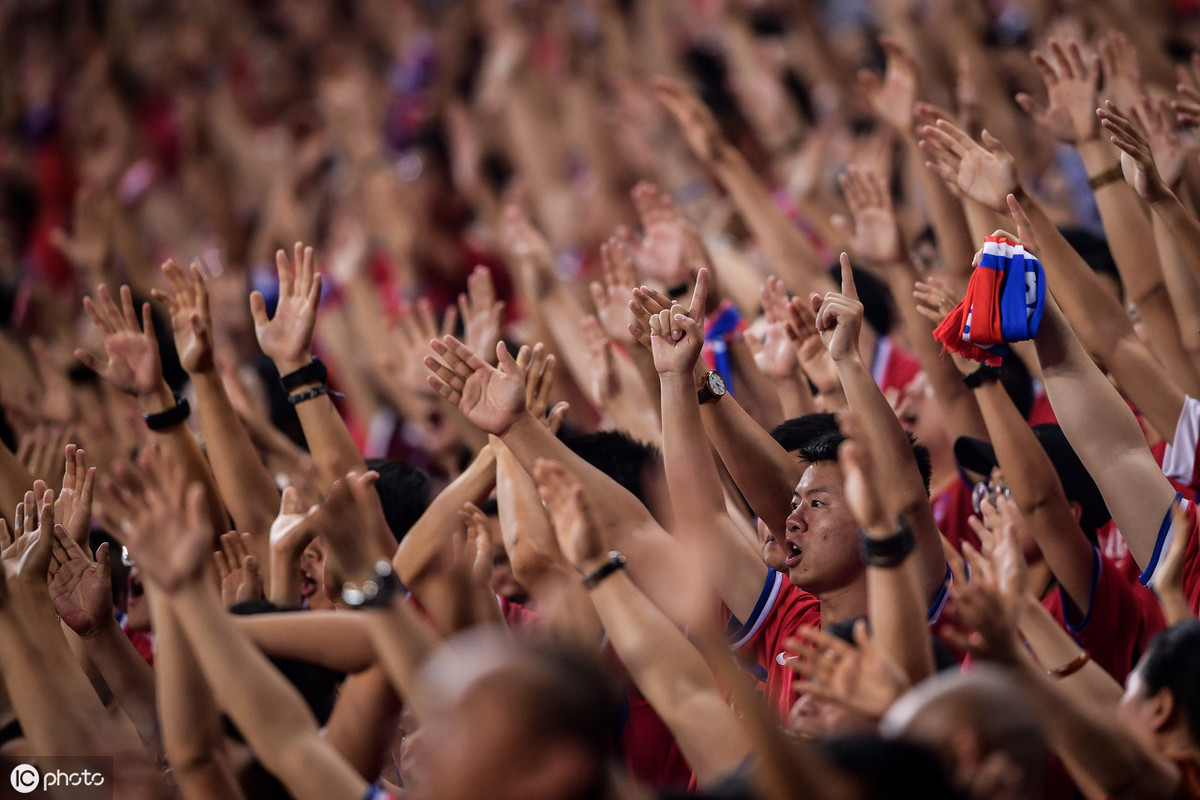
980,721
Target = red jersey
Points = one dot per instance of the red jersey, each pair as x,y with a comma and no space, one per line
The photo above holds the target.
1191,560
1118,622
951,510
893,367
782,609
1179,459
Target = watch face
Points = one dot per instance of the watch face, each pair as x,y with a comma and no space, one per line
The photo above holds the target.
716,383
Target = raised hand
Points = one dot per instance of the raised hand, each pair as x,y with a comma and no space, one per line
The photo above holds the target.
1137,160
1071,86
410,333
677,334
696,121
527,246
874,234
935,300
612,295
986,174
1122,73
162,519
776,354
982,625
482,314
840,316
74,503
892,98
351,524
1170,150
493,398
478,545
287,337
604,383
663,251
539,368
80,588
130,362
1168,578
191,320
810,350
578,537
25,549
237,570
859,678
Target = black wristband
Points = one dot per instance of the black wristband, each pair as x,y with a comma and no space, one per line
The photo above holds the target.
314,392
889,552
171,417
377,590
615,562
985,374
312,372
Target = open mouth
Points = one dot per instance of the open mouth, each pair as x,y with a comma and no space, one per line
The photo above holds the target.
792,554
308,586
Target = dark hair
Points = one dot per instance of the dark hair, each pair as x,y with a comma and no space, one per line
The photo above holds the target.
1173,662
403,491
1094,250
619,456
876,297
573,697
1018,382
792,434
891,768
824,447
490,507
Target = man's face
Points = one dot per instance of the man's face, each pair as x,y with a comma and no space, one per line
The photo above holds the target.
820,547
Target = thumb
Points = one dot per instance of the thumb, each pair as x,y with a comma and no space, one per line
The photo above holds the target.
991,142
506,362
258,309
103,563
848,287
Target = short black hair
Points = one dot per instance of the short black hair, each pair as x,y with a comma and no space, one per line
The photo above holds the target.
824,444
1018,382
403,491
1173,662
619,456
878,304
490,507
792,434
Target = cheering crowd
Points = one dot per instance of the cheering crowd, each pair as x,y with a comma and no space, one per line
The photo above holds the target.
597,399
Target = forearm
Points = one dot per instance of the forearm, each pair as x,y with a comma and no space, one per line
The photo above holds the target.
1183,287
789,253
363,723
947,219
758,397
129,677
1094,739
402,642
892,452
673,676
764,472
178,441
1052,647
189,719
528,536
1038,493
428,535
334,640
1183,227
897,607
795,398
283,586
268,710
245,485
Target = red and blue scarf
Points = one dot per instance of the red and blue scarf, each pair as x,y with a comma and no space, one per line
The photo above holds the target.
1004,303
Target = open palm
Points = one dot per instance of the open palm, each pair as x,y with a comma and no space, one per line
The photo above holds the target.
493,398
80,589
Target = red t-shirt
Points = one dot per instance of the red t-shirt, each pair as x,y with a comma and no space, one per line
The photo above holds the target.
781,610
893,367
1119,621
951,510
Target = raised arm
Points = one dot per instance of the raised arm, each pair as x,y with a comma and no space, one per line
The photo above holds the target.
169,536
287,339
988,174
247,488
701,520
667,669
1105,435
839,320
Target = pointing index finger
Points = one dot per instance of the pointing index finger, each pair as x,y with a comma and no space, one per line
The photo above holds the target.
848,287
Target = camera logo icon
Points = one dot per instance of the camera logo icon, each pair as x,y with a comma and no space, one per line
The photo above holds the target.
25,778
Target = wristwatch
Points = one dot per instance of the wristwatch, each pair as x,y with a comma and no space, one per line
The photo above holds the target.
713,387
